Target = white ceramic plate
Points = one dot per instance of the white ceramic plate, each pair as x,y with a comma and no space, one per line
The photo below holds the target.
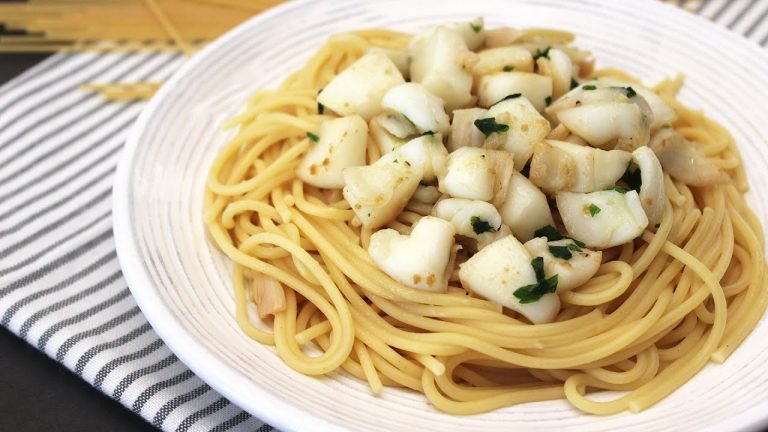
183,284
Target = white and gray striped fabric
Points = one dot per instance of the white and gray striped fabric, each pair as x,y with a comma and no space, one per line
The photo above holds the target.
61,288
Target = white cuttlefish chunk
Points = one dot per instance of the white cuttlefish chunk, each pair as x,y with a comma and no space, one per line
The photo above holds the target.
418,260
474,219
525,208
341,144
500,269
602,219
359,88
574,264
469,174
419,107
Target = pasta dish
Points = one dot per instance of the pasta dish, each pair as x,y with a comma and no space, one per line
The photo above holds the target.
484,217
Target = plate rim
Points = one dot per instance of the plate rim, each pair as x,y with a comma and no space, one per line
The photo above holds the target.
270,409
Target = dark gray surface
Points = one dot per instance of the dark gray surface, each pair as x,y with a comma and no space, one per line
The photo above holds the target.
36,393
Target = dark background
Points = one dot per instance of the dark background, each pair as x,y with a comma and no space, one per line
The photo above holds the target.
36,393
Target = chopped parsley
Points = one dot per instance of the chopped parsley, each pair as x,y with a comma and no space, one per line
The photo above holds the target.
562,252
430,133
488,126
538,267
480,226
548,100
320,107
593,210
632,178
507,68
548,231
396,161
508,97
574,83
532,293
618,189
552,234
477,28
589,87
539,53
313,137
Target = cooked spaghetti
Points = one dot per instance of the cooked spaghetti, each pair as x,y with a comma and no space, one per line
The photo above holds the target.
627,292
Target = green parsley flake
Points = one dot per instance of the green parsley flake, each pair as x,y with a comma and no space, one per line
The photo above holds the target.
538,268
430,133
541,53
589,87
508,97
574,83
550,232
593,210
480,226
477,28
507,68
320,107
548,100
532,293
488,126
313,137
630,92
562,252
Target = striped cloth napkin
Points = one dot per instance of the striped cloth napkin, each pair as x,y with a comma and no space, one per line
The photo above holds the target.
61,288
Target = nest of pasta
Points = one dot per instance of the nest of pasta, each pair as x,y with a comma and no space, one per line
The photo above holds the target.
482,216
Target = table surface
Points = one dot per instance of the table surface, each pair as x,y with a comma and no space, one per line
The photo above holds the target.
37,393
